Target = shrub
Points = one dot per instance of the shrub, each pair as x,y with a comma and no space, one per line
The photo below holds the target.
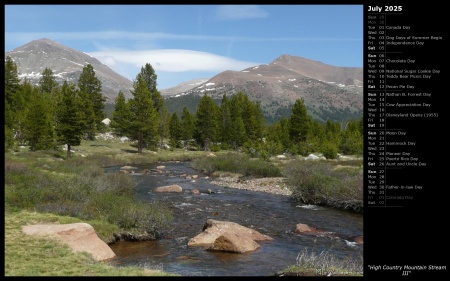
128,214
237,163
117,183
328,264
329,150
78,187
215,147
321,183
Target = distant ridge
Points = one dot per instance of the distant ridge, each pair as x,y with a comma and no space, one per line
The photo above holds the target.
66,64
183,87
330,92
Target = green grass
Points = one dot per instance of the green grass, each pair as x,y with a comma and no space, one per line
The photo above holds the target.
324,182
44,187
325,263
27,255
79,187
237,163
113,152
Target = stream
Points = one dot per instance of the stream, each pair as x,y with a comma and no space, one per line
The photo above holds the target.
273,215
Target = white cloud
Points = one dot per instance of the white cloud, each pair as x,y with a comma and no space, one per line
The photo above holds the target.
172,60
238,12
137,40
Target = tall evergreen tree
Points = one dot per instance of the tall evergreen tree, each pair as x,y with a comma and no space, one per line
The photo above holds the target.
187,126
239,136
69,124
272,139
353,139
9,133
121,115
142,122
12,86
21,103
47,83
93,101
250,116
225,120
39,121
150,77
148,74
175,129
256,120
12,82
206,122
299,122
299,128
238,133
283,129
317,136
333,131
158,101
163,119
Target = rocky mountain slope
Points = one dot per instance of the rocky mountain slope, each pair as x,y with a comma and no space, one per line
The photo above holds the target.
66,64
183,87
330,92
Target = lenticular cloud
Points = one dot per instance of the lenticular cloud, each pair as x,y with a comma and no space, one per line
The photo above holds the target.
173,60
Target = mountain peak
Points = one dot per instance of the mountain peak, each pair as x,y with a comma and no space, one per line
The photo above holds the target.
330,92
67,64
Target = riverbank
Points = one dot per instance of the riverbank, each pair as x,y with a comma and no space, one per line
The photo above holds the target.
273,185
79,188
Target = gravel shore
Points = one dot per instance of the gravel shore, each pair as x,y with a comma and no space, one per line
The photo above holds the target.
269,185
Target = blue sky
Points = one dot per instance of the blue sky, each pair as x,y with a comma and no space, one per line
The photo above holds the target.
184,42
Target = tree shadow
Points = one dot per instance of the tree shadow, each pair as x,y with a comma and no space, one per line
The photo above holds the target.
129,150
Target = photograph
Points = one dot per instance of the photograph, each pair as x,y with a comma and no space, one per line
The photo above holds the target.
216,140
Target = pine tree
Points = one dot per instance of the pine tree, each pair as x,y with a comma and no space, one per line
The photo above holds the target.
12,87
39,124
299,122
149,76
299,127
163,119
47,83
238,134
69,124
225,120
121,115
21,103
317,135
175,129
272,139
12,82
283,131
93,101
206,122
187,126
256,120
143,116
353,139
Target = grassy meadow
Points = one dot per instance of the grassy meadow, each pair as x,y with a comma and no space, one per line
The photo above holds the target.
45,187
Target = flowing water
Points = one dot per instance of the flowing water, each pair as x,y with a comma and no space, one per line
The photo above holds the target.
273,215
